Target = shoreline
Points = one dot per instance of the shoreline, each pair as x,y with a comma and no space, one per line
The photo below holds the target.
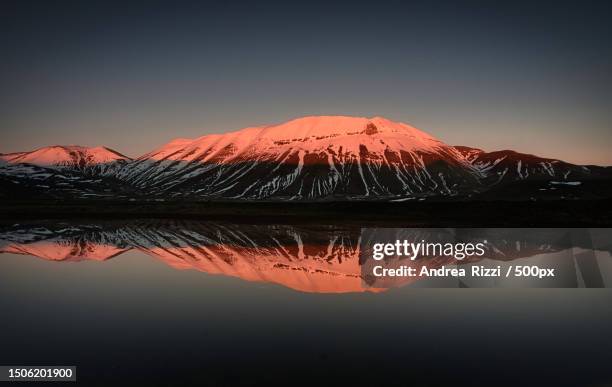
587,213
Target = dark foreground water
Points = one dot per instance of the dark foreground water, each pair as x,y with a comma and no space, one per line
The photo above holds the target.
133,304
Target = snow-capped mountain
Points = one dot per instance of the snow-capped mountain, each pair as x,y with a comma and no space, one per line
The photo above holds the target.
512,175
62,172
93,161
307,158
508,165
310,158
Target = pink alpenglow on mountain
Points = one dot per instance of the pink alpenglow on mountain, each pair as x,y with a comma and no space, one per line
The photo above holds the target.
306,158
100,159
319,158
68,155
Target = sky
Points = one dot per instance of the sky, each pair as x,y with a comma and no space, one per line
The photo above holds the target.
530,76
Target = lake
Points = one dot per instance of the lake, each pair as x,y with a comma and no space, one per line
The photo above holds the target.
167,302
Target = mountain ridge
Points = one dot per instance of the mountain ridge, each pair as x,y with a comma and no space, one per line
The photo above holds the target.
307,158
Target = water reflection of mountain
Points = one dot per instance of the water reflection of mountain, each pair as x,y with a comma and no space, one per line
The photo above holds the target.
310,258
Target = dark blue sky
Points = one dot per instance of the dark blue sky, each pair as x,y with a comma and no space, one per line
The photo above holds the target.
532,76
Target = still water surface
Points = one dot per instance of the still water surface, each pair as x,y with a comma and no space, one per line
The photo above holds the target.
205,303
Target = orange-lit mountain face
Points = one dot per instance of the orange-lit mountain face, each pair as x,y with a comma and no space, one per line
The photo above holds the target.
310,158
98,160
307,158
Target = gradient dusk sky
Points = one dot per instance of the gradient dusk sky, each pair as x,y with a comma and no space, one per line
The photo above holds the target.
530,76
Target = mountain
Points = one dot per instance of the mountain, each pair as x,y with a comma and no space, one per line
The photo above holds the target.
318,158
307,158
508,165
92,161
509,174
62,171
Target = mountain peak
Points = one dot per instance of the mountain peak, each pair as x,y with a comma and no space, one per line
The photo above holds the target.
308,157
65,155
318,126
309,134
